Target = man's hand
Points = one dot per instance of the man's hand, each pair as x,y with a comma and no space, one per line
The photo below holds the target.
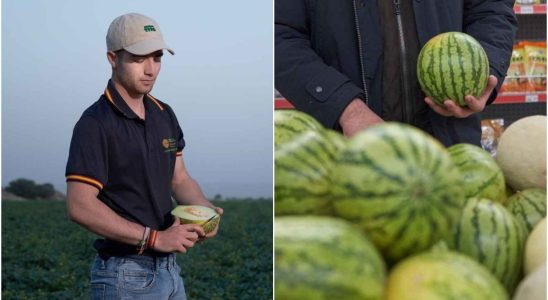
474,105
356,117
179,237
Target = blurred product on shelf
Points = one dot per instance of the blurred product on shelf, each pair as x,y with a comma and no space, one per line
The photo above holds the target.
535,65
491,130
527,71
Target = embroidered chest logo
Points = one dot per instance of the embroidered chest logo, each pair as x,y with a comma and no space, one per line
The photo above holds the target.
169,144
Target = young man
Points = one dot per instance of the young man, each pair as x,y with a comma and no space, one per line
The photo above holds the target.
352,63
125,163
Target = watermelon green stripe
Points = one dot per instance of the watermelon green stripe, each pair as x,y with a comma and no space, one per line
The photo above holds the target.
529,206
297,170
394,146
432,74
443,76
414,150
450,48
429,84
481,176
363,158
489,182
368,194
311,156
475,68
506,263
460,84
476,225
531,201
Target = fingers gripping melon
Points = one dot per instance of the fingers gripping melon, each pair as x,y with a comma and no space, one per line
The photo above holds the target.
206,217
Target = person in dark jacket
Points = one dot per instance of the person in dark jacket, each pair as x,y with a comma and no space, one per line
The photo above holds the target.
352,63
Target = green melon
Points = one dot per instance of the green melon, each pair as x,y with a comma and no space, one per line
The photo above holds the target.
481,175
528,206
491,235
323,258
290,123
399,186
302,178
440,275
336,139
204,216
452,65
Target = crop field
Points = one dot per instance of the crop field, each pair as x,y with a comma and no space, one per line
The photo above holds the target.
45,256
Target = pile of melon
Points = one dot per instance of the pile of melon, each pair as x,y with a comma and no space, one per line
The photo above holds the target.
392,214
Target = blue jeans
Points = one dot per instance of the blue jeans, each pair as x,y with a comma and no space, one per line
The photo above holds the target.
136,277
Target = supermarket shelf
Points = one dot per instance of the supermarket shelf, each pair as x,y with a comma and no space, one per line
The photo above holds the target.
504,98
530,9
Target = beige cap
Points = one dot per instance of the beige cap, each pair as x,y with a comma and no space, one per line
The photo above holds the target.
135,33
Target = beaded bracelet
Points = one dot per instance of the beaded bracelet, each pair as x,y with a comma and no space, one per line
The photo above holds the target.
143,243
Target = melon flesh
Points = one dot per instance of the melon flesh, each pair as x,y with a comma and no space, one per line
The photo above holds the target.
197,214
521,153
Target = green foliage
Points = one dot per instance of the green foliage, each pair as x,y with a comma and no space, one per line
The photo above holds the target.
27,188
45,256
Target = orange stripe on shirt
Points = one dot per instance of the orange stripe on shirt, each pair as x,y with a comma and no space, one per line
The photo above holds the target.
155,101
85,179
109,97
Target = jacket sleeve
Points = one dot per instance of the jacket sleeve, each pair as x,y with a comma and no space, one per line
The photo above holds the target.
493,23
301,75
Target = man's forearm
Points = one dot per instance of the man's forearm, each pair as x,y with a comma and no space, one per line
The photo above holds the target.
188,192
356,117
87,210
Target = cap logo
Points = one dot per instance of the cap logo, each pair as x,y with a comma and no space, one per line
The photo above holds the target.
149,28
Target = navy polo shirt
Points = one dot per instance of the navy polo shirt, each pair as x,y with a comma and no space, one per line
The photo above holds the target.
130,160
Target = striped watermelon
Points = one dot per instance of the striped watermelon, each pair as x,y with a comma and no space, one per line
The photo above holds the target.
491,235
302,174
481,175
325,258
452,65
441,275
336,139
399,186
528,206
290,123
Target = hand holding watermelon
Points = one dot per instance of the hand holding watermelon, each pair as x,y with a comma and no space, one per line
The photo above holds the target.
473,104
453,71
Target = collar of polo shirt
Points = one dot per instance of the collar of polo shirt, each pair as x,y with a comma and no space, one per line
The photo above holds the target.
115,99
